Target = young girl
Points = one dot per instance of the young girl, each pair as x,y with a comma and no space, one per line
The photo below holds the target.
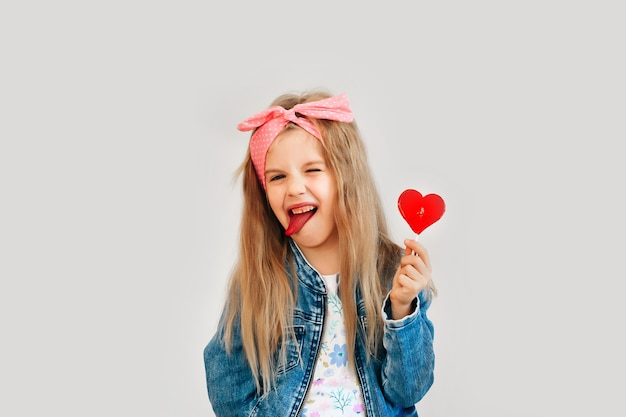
325,315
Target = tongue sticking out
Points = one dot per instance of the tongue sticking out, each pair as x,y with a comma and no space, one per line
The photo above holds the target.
297,221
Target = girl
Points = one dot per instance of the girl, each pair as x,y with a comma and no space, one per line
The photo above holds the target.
325,315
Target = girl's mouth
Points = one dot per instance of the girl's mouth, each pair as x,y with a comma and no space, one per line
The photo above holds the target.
298,217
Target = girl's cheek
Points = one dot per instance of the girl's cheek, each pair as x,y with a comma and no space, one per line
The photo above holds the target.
277,208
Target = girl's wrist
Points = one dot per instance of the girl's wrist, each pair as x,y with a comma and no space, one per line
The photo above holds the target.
401,310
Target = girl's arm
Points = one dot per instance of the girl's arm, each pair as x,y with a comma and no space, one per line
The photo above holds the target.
408,366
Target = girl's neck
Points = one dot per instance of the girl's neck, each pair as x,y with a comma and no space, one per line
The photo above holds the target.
325,260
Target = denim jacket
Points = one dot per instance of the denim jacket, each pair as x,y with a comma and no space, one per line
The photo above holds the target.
391,384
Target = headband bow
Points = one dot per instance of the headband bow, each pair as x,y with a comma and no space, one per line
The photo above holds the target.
270,122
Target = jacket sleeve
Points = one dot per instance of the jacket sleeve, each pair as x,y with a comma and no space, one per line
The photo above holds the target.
230,384
408,366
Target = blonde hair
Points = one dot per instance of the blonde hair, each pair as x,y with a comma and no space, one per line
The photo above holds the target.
262,298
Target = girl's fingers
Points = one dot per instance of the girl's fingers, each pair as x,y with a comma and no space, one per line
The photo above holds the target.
407,288
410,271
416,262
413,274
415,267
411,283
417,249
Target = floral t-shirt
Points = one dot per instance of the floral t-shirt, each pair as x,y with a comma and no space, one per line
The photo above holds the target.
335,390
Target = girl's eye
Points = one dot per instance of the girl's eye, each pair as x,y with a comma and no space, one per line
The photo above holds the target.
277,177
314,170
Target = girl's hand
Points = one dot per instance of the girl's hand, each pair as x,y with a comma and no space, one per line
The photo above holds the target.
412,276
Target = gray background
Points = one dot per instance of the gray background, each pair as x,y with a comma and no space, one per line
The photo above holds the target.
119,214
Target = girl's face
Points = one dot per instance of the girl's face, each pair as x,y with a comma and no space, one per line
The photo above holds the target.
302,190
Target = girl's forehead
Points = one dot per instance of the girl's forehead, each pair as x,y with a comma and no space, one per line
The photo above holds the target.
295,140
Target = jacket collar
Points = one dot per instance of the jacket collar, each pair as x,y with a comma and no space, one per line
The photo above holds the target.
307,275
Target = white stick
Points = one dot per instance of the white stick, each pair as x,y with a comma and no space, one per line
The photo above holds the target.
417,236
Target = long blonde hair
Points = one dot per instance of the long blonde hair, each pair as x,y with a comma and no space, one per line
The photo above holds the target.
262,298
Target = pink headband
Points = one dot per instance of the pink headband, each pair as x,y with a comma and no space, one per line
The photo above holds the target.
270,123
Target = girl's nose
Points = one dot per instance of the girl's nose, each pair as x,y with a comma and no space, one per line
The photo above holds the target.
296,185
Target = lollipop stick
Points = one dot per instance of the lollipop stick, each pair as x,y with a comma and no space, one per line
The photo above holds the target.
417,236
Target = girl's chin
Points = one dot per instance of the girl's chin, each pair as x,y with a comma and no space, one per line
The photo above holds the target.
313,239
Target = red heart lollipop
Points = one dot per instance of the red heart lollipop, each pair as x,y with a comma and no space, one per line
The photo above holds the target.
420,211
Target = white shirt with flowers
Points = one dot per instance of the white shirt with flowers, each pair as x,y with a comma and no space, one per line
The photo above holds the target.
335,390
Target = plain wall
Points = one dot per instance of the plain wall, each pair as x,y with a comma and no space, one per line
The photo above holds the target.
119,213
